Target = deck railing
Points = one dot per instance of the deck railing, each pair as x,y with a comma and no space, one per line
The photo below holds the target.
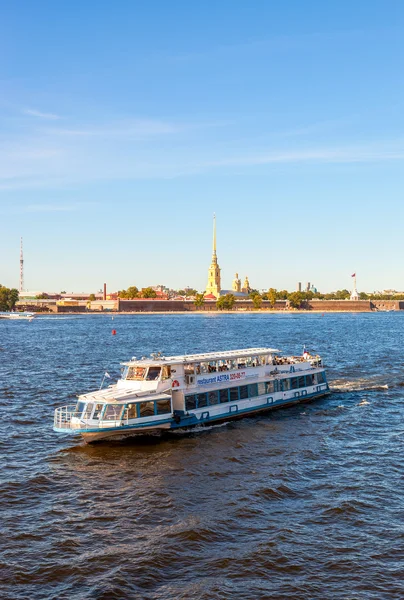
64,415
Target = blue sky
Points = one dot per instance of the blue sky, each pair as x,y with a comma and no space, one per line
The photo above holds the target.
124,126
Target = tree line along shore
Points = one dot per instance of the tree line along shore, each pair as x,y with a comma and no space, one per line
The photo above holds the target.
147,300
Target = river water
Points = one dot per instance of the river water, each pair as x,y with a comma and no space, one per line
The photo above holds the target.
305,502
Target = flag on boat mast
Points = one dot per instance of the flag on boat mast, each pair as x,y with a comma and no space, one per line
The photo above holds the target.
106,375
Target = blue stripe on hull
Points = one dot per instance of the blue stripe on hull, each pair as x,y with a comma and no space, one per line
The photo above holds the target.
192,420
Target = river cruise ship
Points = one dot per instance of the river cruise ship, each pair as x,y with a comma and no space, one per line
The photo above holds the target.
160,393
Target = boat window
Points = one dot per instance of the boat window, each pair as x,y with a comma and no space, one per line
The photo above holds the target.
241,363
163,407
243,392
213,397
313,379
79,408
233,394
261,388
212,367
202,400
188,369
222,365
253,390
132,411
153,373
136,373
270,387
285,384
224,395
98,410
205,367
190,403
146,409
262,359
302,381
294,382
249,361
255,361
166,372
88,410
321,377
198,368
232,363
112,412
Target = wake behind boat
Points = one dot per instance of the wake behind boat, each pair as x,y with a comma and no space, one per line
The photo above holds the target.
161,393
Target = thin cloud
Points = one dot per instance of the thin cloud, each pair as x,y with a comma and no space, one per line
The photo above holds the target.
132,128
49,208
320,155
76,165
276,43
32,112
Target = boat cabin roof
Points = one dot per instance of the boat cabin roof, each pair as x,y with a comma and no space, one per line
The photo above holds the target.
158,360
111,396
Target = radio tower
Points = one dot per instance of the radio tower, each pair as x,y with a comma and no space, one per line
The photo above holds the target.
21,269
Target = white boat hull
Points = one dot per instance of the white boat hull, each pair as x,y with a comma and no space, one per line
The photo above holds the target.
199,418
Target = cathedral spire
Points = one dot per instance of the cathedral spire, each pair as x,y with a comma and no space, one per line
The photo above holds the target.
214,233
213,286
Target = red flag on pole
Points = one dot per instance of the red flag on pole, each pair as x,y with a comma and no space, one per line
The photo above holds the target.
354,275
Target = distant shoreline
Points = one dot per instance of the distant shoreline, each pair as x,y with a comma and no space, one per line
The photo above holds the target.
213,312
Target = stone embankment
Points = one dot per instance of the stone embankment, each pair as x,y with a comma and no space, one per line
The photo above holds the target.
144,305
150,305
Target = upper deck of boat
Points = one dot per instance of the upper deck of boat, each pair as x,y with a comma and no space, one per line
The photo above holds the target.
159,360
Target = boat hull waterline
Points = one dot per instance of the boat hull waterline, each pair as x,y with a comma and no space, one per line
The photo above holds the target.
128,431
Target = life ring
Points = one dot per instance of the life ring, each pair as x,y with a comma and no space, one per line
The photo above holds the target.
175,383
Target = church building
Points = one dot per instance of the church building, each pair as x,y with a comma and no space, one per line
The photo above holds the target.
214,289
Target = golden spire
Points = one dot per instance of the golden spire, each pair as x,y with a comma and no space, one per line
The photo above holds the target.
214,233
213,286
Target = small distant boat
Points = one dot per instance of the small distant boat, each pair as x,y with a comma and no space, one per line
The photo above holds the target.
25,316
160,393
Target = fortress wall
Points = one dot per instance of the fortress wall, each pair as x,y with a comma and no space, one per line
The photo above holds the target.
340,305
154,305
387,304
151,305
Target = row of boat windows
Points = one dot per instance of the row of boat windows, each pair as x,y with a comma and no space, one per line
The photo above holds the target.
226,365
242,392
115,412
